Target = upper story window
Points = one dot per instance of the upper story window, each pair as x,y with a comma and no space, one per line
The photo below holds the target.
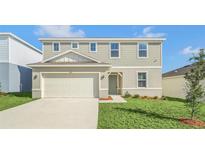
143,50
74,45
93,47
115,50
142,79
56,46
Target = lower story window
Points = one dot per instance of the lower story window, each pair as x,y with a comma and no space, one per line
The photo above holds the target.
142,79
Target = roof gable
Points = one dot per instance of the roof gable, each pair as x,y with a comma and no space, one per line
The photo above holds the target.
71,57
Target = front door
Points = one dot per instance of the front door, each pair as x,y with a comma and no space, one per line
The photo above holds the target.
112,84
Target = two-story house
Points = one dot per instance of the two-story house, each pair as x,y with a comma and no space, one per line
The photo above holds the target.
98,67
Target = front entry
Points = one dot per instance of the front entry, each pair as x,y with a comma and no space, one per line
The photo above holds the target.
112,84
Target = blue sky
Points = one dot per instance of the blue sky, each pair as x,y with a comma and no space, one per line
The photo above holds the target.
181,41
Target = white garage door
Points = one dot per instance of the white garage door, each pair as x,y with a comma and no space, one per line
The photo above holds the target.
70,85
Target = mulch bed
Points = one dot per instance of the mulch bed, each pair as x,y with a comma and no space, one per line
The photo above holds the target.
109,98
192,122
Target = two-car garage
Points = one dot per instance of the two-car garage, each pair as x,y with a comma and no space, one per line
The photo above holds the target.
68,74
70,85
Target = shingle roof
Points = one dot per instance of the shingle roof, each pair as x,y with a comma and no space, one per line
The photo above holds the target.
177,72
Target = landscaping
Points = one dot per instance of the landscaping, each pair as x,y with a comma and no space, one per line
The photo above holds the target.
146,113
14,99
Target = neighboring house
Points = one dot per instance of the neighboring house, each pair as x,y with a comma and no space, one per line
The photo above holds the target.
173,83
15,54
98,67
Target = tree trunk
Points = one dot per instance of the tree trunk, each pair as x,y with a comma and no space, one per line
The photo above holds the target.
192,113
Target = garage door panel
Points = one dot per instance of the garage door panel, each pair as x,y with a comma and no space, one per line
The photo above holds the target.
81,87
71,85
55,87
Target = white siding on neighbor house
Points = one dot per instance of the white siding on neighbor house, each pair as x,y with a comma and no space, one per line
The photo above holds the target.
21,54
15,54
19,78
4,77
4,48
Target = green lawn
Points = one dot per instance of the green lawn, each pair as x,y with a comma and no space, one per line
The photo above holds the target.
141,113
14,99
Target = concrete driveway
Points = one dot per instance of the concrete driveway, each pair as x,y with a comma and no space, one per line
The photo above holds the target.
52,113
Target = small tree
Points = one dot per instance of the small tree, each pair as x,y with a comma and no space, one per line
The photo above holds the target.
194,89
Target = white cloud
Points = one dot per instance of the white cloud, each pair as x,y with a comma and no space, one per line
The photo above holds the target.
147,32
58,31
190,50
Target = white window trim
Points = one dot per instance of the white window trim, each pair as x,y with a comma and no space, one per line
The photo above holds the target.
138,50
72,45
147,81
95,48
110,50
53,46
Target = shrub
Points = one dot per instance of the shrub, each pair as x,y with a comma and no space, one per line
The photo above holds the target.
163,98
155,97
144,97
127,95
136,96
149,97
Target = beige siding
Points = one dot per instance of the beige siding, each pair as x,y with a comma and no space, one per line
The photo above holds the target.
128,53
144,92
47,47
65,46
174,86
129,79
128,57
35,80
71,57
36,94
103,93
104,80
